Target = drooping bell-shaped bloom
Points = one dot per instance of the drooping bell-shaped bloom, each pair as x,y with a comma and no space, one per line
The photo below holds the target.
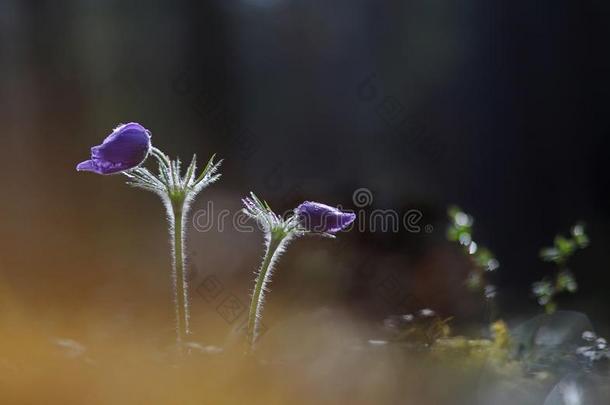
125,148
321,218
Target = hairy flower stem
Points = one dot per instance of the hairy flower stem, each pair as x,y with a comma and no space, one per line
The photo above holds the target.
258,295
180,282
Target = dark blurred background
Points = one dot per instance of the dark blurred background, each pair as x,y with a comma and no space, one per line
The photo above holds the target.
500,107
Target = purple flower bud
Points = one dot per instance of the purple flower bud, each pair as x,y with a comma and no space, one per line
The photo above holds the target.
321,218
125,148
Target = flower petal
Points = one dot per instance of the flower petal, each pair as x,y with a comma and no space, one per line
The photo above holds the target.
87,166
321,218
125,148
127,144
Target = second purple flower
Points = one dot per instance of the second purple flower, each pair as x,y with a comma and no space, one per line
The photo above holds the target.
322,218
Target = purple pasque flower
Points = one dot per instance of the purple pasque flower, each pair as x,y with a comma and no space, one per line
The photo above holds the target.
321,218
309,218
125,148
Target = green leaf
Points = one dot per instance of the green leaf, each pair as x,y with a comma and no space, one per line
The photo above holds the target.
550,254
580,237
566,282
543,288
564,246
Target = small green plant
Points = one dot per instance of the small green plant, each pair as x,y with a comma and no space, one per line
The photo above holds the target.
493,352
460,231
125,151
422,328
563,248
309,218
